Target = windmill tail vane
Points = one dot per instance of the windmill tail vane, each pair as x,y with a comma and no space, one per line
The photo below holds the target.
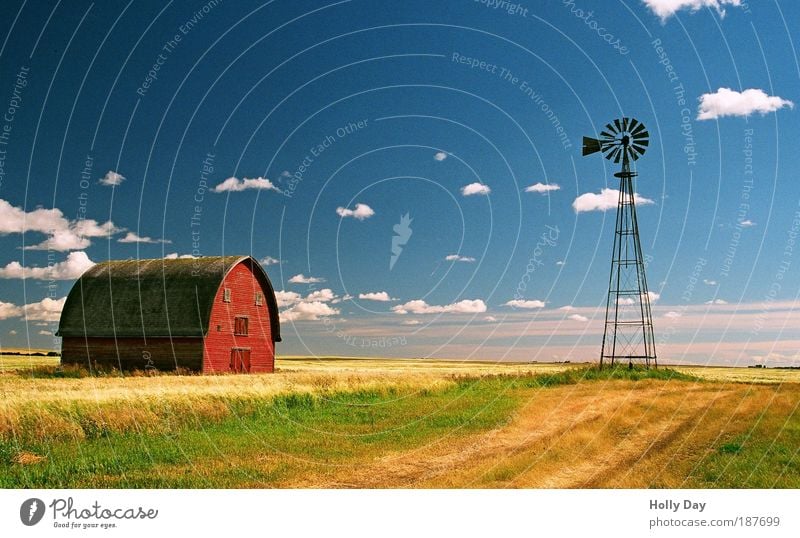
628,330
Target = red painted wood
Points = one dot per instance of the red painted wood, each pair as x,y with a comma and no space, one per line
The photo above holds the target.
220,339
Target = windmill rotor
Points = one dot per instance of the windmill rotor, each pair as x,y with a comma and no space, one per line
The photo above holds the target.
625,138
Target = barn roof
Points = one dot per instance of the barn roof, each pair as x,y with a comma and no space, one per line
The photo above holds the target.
153,298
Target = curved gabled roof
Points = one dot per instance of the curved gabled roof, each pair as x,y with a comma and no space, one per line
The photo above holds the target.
152,298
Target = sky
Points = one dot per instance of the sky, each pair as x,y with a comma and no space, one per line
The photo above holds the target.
410,173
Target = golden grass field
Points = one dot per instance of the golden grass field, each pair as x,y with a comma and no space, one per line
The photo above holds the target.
347,422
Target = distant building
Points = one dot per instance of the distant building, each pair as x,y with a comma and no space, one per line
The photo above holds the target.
208,314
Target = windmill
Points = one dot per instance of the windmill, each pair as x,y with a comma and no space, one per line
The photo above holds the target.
628,329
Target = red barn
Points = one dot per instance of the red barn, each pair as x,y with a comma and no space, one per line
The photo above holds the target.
208,314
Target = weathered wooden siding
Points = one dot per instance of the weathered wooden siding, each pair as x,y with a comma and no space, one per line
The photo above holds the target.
133,353
220,338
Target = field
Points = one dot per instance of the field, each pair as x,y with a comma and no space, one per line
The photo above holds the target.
342,422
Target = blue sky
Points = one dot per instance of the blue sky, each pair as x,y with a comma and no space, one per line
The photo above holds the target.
122,141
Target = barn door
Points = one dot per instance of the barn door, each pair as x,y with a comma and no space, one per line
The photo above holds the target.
240,360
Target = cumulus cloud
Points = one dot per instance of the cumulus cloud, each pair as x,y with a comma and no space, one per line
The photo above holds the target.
627,301
746,223
577,317
45,310
9,310
728,102
459,258
361,212
418,306
717,302
311,311
542,188
289,298
132,237
490,319
520,303
269,260
440,156
667,8
560,262
176,256
70,269
411,322
303,279
234,184
709,282
607,199
380,296
112,179
62,233
567,307
475,188
672,314
325,295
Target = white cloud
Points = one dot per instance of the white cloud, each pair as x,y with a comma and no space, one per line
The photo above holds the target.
9,310
361,212
519,303
459,258
627,301
475,188
653,296
234,184
418,306
709,282
46,333
717,302
727,102
176,256
45,310
607,199
746,223
132,237
269,260
289,298
411,322
672,314
567,307
542,188
71,268
303,279
12,332
62,233
440,156
381,296
490,319
577,317
308,311
324,296
560,262
667,8
112,179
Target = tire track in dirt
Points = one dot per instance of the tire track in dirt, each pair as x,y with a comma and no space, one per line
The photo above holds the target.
550,419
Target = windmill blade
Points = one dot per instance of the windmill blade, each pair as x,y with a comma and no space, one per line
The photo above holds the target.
610,127
619,126
634,154
642,141
607,136
624,124
639,129
638,149
632,126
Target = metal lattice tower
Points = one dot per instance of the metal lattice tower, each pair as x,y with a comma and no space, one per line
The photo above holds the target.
628,330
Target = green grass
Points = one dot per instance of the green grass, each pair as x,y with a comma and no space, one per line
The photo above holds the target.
264,443
767,456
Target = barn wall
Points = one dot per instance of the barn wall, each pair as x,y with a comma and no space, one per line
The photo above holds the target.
133,353
220,338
